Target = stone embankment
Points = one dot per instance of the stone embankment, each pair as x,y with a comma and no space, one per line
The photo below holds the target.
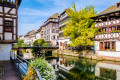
89,55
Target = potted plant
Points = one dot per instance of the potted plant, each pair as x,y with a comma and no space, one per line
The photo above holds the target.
6,3
0,2
12,4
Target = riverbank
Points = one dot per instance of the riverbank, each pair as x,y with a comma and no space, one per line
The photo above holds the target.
89,55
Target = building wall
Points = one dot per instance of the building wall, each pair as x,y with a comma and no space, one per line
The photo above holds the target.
108,53
8,16
5,51
63,41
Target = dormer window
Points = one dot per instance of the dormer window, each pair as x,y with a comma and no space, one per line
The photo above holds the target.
118,4
8,26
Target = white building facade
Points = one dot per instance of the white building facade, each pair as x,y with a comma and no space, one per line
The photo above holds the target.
63,42
107,41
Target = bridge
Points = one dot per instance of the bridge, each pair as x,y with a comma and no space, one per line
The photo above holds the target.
41,48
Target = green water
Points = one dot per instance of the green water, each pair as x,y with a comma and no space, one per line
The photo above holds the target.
73,68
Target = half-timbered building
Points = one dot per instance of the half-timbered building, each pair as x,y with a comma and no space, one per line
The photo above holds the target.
51,29
8,26
107,41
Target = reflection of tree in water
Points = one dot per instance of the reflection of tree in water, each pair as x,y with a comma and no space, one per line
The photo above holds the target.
84,69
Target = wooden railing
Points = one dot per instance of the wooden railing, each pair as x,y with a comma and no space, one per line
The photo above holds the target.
21,66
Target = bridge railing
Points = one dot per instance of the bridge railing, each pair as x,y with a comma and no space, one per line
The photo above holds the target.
21,66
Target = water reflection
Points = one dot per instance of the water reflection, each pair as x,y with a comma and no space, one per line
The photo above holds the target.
72,68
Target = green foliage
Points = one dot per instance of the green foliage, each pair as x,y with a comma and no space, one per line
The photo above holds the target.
45,44
30,74
0,0
20,43
45,69
39,42
80,26
83,70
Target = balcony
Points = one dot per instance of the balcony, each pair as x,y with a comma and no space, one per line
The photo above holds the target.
108,23
107,36
7,3
60,31
63,17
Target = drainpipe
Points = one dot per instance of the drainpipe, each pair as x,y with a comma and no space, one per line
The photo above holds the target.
94,47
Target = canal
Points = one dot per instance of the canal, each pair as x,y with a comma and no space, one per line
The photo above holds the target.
73,68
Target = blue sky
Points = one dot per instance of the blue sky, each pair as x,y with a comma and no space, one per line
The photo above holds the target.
33,13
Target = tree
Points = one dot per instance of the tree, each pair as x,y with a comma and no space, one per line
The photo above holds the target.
39,42
21,43
80,26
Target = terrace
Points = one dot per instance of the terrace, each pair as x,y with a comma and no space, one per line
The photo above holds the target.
7,71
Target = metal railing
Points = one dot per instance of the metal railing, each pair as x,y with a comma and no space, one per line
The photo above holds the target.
21,66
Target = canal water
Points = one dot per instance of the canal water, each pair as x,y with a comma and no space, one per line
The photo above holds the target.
73,68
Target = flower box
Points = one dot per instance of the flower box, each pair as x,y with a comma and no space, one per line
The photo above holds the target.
116,31
6,4
12,5
1,3
9,30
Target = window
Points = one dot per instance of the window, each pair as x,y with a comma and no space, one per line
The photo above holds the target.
8,26
53,36
60,43
107,45
113,45
101,45
53,30
57,31
118,28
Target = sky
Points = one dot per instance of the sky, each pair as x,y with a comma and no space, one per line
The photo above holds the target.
33,13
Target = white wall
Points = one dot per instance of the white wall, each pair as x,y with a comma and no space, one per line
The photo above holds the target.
97,45
108,53
117,45
5,51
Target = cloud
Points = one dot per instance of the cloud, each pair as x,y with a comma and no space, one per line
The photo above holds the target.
32,12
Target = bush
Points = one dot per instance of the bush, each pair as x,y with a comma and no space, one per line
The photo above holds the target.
45,69
30,74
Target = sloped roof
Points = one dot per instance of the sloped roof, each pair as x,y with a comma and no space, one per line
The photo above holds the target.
56,15
110,9
30,33
65,11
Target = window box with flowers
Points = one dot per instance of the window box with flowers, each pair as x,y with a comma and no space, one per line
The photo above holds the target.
8,30
115,31
1,2
12,4
6,3
102,32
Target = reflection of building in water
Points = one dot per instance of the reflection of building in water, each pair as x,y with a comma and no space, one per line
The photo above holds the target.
108,70
54,63
65,64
